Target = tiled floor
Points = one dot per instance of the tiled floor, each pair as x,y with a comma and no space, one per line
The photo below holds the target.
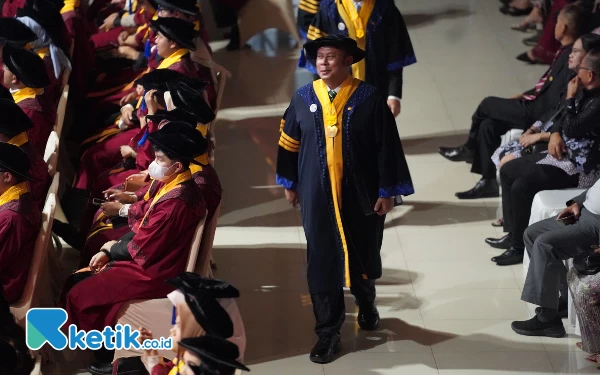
446,309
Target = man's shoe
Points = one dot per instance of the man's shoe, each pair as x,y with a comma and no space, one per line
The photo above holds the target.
509,257
457,153
368,317
563,310
500,243
325,349
131,366
535,327
483,189
532,41
101,368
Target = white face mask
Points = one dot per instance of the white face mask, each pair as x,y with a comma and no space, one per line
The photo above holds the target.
158,172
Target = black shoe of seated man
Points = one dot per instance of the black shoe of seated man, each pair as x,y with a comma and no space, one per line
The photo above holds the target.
483,189
500,243
326,349
532,41
368,317
460,153
131,366
514,11
101,368
563,309
509,257
535,327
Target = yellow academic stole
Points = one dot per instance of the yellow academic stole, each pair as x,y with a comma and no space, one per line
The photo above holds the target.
175,57
202,159
14,193
356,24
19,139
333,114
70,6
181,178
26,93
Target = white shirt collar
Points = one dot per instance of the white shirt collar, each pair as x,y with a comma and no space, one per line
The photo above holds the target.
337,89
358,3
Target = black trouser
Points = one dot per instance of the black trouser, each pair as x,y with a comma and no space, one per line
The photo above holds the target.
329,307
492,119
521,180
224,15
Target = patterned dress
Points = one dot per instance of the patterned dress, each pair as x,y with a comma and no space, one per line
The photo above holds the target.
586,297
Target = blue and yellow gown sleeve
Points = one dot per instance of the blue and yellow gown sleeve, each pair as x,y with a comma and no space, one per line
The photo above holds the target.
394,175
289,147
307,10
400,49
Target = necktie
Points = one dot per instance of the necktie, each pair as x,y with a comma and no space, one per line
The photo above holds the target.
542,81
358,5
332,95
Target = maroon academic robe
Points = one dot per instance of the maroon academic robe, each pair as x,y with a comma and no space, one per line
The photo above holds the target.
42,122
159,250
83,61
38,170
10,7
51,95
19,227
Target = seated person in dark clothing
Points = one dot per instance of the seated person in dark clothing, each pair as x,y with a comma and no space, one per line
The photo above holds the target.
550,242
572,153
495,116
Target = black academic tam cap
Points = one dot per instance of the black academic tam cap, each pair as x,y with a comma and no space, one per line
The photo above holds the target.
13,120
12,30
175,144
14,160
191,100
209,313
336,41
189,131
158,79
214,353
26,65
184,6
216,288
47,14
180,31
176,114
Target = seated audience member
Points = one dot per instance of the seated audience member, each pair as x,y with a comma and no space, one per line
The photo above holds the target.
203,307
14,125
207,355
550,242
163,225
539,133
25,75
16,359
585,290
19,221
495,116
572,151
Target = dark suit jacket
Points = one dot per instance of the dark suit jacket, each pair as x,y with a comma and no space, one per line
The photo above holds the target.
556,83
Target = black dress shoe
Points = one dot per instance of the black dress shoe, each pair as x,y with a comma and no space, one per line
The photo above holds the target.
532,41
483,189
513,11
457,153
325,349
131,366
525,58
535,327
101,368
500,243
509,257
368,317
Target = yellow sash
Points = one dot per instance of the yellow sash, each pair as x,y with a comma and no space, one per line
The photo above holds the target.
70,6
356,24
333,114
19,139
14,193
43,52
202,159
175,57
26,93
147,27
181,178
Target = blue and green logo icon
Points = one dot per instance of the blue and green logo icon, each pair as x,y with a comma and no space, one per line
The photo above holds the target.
43,326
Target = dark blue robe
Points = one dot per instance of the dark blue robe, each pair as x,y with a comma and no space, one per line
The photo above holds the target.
374,166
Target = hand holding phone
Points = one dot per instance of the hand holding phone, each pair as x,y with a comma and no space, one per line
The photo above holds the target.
98,202
567,220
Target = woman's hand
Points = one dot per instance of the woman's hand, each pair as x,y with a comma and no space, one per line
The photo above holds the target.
127,115
556,146
527,140
145,334
573,87
126,152
151,102
98,261
109,22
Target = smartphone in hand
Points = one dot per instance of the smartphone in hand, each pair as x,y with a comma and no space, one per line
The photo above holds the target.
98,202
567,220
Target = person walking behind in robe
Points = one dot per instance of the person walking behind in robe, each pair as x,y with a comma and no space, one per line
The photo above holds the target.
340,157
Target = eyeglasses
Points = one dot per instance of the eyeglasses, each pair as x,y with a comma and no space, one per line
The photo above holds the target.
576,50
